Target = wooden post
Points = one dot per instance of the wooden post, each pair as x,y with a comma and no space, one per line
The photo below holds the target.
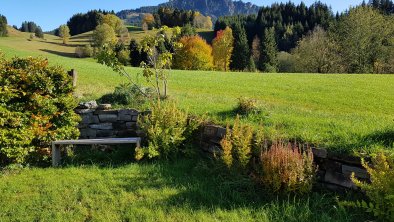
73,73
55,155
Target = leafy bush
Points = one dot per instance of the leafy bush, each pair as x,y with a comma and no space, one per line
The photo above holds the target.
246,106
84,51
237,145
287,168
130,95
36,107
166,128
380,191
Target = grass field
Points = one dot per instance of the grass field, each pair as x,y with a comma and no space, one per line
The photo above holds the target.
342,112
182,191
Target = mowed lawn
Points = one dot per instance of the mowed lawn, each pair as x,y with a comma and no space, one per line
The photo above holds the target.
184,190
341,112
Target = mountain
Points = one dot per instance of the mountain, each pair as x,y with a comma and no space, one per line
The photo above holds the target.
213,8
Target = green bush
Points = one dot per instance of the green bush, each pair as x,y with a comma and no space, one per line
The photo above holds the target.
380,191
84,51
128,95
237,145
167,129
36,107
246,106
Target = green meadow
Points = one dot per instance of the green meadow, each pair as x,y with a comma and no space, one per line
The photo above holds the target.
186,190
345,113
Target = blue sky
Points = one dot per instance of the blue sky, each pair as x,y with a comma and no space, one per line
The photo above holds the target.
49,14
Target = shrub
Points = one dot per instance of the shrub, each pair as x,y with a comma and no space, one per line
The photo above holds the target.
84,51
380,191
166,128
237,145
246,106
287,168
130,95
36,107
124,57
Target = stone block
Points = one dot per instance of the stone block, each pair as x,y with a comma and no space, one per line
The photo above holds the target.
82,126
105,133
101,126
104,107
124,117
119,126
99,112
320,153
86,118
131,125
339,179
332,165
88,105
126,133
87,133
221,132
210,131
111,118
359,172
83,111
95,119
134,118
131,112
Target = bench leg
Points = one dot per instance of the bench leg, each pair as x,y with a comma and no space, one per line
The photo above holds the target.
55,155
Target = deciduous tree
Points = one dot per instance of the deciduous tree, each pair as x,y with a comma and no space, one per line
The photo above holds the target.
104,34
195,54
64,33
223,46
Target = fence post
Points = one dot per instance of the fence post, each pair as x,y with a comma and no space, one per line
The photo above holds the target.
73,73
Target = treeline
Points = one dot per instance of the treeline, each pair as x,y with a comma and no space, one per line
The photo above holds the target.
290,21
85,22
3,26
386,6
32,27
166,16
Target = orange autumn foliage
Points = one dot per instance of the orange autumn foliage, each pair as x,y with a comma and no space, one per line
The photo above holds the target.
195,54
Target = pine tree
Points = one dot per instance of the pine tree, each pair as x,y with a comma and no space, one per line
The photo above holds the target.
241,53
269,60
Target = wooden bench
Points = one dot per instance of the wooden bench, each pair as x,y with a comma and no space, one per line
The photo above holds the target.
56,149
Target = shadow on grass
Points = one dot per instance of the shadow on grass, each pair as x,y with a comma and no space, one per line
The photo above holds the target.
64,54
205,185
102,156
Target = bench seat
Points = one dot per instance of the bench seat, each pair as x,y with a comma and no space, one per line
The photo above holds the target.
56,150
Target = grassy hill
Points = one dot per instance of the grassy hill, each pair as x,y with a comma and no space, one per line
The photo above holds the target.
341,112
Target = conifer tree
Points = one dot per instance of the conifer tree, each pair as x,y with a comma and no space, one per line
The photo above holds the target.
268,59
241,53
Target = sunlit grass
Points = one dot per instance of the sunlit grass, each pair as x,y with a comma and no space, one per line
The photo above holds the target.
341,112
165,191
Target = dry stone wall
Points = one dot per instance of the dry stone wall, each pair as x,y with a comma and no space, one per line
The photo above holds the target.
333,170
101,122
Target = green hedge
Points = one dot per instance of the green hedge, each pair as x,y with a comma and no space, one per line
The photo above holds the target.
36,107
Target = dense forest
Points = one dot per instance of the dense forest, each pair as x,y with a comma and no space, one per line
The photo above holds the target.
85,22
290,21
